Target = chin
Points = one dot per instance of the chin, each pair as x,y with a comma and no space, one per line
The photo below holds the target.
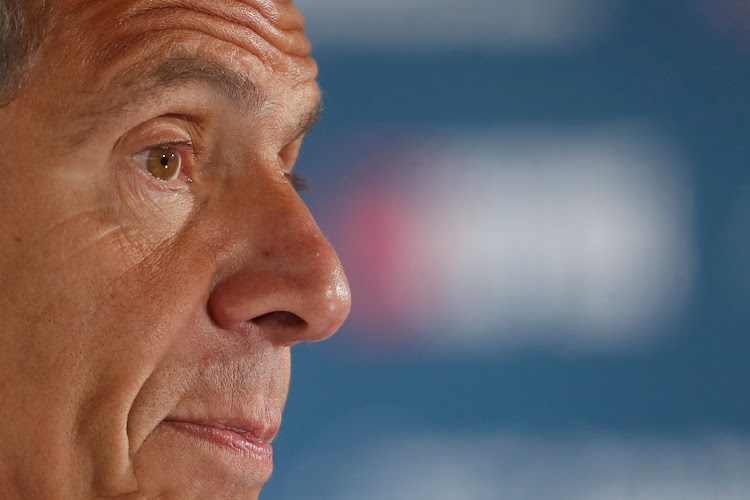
182,464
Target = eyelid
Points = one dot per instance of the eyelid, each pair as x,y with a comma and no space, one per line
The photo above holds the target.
288,156
184,132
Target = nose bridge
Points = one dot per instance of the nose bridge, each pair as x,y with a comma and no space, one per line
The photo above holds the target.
284,268
287,240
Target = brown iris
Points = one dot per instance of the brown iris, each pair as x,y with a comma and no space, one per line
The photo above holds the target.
164,163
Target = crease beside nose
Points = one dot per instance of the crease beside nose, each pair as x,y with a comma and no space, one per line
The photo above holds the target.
290,284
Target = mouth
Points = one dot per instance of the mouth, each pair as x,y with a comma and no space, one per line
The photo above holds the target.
244,440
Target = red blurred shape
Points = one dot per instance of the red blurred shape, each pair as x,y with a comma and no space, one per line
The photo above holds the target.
376,245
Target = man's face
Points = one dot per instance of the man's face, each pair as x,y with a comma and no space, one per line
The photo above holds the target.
156,263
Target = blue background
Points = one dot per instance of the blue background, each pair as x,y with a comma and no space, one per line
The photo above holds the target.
662,62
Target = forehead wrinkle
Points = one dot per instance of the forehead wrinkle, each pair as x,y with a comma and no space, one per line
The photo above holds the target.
278,24
270,31
235,16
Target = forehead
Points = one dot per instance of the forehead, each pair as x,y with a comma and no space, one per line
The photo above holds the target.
116,40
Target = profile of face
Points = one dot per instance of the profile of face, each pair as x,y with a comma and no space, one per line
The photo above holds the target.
156,262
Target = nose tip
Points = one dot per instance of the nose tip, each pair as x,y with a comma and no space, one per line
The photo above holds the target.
293,289
338,298
310,305
316,313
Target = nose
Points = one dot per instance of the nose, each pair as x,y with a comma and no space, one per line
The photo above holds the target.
282,277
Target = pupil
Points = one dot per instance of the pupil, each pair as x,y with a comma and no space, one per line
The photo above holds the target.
164,160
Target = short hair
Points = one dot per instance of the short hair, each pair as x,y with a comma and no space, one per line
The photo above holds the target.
16,45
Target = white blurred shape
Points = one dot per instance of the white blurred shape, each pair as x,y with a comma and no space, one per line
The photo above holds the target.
584,232
490,467
551,237
415,25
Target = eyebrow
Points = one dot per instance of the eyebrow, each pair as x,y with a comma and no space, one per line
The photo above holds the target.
309,120
141,85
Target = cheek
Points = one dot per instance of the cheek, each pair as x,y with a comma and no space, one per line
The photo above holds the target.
96,267
99,292
112,292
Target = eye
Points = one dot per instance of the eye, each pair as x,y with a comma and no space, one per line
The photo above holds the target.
164,163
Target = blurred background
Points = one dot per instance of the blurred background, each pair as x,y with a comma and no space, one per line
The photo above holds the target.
543,207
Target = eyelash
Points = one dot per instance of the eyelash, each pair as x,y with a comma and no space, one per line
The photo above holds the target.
298,182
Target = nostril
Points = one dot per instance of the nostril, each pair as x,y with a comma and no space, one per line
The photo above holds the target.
280,318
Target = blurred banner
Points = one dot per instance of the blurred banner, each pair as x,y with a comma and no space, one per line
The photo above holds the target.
412,466
468,241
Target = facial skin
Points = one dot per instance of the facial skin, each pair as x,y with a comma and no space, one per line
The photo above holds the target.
141,316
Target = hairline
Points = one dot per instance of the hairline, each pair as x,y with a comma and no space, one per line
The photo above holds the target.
21,32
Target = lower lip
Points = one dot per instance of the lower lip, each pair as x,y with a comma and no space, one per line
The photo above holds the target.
248,448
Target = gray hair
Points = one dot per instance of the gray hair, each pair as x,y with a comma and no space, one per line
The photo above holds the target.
15,46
